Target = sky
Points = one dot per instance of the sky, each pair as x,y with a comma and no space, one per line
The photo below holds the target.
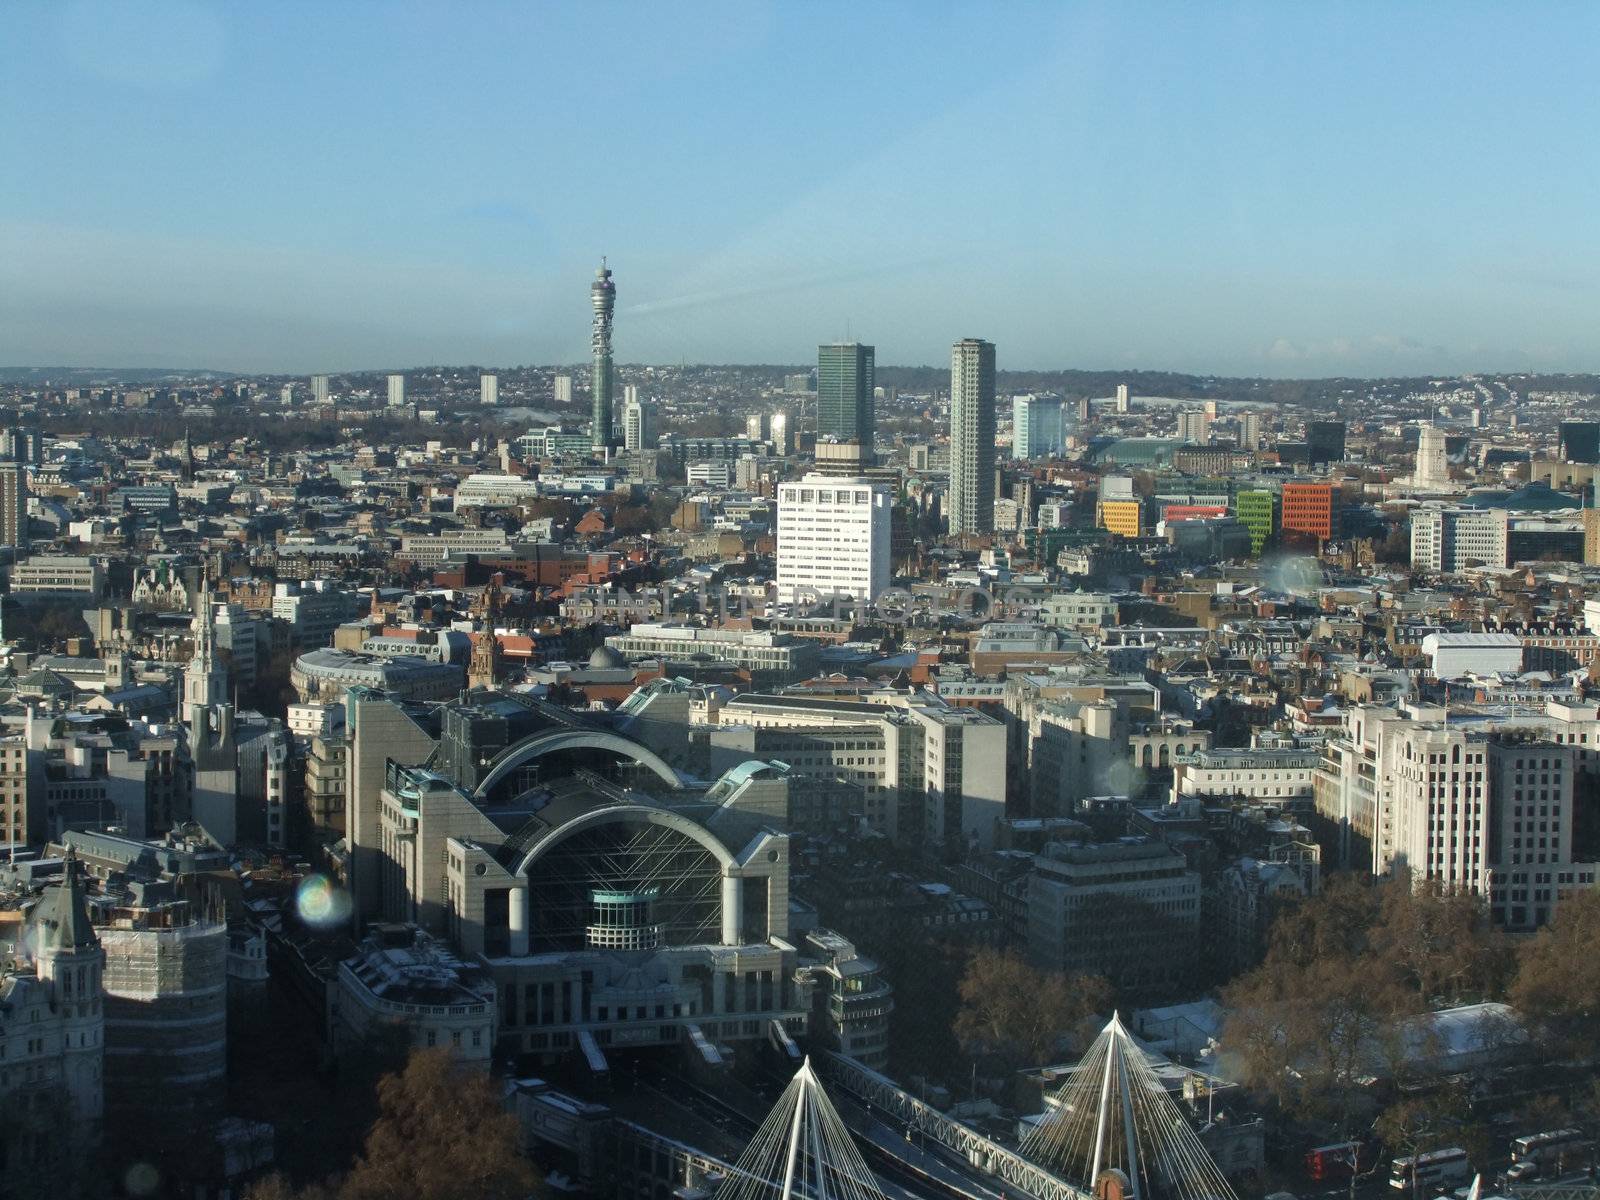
1246,189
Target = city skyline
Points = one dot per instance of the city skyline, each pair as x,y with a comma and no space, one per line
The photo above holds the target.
1125,199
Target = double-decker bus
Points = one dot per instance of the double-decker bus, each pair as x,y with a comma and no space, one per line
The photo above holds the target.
1430,1173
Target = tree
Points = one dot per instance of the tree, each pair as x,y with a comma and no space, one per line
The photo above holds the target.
442,1133
1019,1014
1431,1121
1321,1012
1557,984
1441,942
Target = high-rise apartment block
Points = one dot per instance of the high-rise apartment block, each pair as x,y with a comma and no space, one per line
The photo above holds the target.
563,389
1250,431
489,390
845,372
13,505
1037,426
1122,397
972,432
1194,427
319,389
638,421
782,443
397,390
833,538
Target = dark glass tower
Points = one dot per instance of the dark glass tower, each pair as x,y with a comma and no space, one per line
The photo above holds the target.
844,393
603,295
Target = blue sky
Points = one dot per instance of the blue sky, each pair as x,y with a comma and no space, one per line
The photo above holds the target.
1279,189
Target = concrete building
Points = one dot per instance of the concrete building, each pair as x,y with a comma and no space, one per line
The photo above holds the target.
489,390
851,1001
771,658
402,979
1128,910
59,573
1122,398
1194,427
319,389
972,437
313,609
14,505
1276,775
1432,468
1455,655
833,539
397,391
638,421
1451,540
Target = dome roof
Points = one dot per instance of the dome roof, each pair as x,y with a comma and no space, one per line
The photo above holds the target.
605,658
1537,496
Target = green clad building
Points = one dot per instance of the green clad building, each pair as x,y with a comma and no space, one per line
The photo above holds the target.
1257,511
844,393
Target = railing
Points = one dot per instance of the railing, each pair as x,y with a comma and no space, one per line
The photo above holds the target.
983,1153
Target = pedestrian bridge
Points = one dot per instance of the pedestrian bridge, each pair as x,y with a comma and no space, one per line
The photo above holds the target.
983,1153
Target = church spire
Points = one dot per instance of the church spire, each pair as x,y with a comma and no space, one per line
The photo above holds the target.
62,918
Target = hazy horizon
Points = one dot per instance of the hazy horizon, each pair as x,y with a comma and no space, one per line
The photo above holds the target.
1258,190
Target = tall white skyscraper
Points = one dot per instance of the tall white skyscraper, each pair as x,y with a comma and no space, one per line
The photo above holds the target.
972,421
563,389
1122,397
780,434
833,538
638,421
489,390
1433,464
397,390
319,389
1037,426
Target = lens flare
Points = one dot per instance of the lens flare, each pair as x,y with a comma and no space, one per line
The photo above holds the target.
320,904
141,1179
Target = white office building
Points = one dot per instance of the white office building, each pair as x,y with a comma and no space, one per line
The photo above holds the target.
489,390
397,390
833,538
1445,541
1037,426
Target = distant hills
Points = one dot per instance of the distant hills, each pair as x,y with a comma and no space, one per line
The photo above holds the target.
89,376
